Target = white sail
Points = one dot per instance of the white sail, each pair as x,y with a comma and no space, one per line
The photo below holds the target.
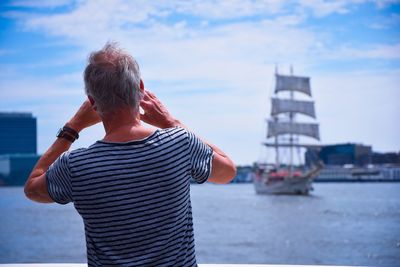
279,128
287,105
292,83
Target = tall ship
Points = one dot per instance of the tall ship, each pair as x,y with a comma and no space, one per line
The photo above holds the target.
284,137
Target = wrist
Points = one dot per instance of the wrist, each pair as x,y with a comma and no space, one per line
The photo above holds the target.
71,124
175,123
68,133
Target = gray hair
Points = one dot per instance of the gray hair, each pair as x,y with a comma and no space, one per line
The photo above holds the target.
112,79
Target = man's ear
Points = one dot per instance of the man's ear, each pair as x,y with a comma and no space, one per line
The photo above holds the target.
91,100
141,85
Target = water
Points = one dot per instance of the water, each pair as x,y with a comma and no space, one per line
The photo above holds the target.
342,224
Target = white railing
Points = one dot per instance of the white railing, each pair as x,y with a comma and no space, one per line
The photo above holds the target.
200,265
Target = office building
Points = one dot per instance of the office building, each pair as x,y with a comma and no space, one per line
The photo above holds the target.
15,168
340,154
18,142
17,133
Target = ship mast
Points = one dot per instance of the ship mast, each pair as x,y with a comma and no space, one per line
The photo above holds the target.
291,115
276,137
290,106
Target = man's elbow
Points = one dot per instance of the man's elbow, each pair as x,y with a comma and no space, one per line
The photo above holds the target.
29,192
35,189
229,174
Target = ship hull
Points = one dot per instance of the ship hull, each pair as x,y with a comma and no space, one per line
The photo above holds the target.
291,186
272,182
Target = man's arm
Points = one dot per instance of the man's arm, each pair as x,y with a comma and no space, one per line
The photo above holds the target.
36,185
223,169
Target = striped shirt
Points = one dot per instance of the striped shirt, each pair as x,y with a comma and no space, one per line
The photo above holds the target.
134,197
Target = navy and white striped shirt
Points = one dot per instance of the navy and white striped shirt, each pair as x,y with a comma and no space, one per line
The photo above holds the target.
134,197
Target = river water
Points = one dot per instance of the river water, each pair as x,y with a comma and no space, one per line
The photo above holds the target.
340,224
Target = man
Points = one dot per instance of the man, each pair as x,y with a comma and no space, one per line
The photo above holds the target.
132,187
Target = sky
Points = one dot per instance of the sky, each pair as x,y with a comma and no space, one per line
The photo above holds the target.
212,63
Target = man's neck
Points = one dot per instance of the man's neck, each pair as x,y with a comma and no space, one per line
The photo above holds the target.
124,125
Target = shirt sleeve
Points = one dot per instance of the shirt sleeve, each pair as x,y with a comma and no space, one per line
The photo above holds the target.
201,156
58,178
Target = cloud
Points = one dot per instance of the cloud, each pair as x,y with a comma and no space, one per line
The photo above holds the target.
40,3
385,3
322,8
291,20
213,53
4,52
17,87
392,20
228,9
350,53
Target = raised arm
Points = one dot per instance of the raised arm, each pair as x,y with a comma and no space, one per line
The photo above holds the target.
155,113
36,185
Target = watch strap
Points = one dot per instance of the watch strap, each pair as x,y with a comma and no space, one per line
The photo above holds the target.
65,135
71,131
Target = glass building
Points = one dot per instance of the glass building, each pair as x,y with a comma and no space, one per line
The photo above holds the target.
15,168
17,133
17,147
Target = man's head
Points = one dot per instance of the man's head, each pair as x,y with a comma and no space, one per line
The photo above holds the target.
112,80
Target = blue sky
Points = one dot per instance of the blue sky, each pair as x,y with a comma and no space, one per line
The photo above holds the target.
212,63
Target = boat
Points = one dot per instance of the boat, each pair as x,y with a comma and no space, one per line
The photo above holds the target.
283,136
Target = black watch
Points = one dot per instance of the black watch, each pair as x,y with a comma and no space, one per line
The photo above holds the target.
66,135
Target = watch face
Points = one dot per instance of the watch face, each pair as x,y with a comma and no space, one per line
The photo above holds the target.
59,133
62,134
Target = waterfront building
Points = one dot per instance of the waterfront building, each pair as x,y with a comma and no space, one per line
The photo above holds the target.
350,154
354,162
17,133
342,154
381,158
391,173
351,173
18,146
243,174
15,168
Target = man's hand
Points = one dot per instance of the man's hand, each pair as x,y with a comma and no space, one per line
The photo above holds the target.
85,117
223,169
155,113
